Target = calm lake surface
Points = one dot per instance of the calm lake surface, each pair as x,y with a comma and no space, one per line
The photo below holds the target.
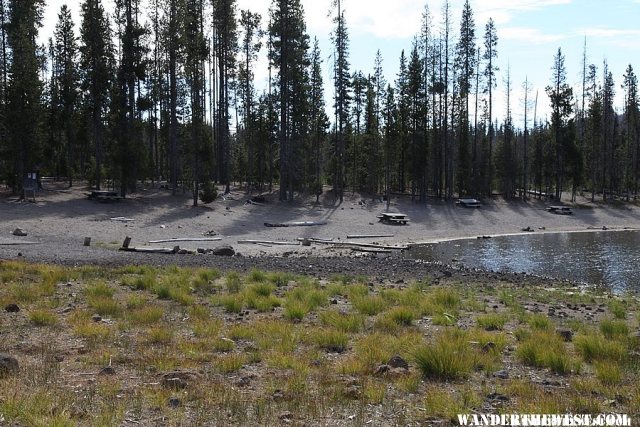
610,258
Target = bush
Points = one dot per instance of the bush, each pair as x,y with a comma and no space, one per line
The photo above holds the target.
208,193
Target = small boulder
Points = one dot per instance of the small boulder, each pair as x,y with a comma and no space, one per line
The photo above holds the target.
19,232
178,380
381,370
8,365
12,308
503,374
96,318
565,334
398,362
108,370
488,347
224,250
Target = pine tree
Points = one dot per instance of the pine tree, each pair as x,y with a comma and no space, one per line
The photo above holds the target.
251,45
96,68
632,113
226,45
288,54
561,96
342,99
131,70
465,68
318,118
67,79
491,68
24,89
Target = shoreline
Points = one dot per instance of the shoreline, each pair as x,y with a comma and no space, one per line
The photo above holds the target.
523,233
60,220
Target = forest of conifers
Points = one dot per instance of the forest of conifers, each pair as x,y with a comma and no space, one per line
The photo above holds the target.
164,90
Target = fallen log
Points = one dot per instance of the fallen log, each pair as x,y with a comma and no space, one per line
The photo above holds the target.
368,236
268,242
122,219
151,250
187,239
359,245
372,251
373,245
314,240
295,224
18,243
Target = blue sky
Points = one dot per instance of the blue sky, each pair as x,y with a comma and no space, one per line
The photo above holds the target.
529,32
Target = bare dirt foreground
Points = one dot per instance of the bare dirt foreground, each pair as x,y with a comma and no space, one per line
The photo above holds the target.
61,218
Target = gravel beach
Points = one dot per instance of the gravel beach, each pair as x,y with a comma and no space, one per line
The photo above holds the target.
58,222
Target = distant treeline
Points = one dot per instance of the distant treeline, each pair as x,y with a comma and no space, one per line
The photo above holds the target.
174,99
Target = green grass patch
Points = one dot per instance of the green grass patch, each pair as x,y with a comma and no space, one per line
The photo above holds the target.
594,347
43,318
345,322
545,349
492,321
614,329
369,305
450,357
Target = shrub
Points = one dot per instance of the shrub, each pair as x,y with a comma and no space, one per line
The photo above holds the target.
540,322
208,193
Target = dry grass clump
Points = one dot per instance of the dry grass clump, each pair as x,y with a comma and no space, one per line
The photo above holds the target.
545,349
450,357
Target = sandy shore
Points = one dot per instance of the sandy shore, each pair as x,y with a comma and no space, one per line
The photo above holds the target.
61,219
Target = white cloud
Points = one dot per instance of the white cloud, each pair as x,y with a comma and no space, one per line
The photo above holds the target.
529,35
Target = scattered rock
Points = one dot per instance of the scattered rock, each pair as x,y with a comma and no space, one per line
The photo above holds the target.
174,402
352,392
178,380
503,374
497,397
19,232
278,395
8,365
488,347
244,381
286,416
381,370
58,358
334,301
398,362
224,250
447,273
12,308
108,370
565,334
96,318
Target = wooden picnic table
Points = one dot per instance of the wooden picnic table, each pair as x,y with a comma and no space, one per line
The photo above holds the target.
104,195
393,218
469,203
560,210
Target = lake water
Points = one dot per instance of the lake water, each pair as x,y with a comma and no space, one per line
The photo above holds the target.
610,258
